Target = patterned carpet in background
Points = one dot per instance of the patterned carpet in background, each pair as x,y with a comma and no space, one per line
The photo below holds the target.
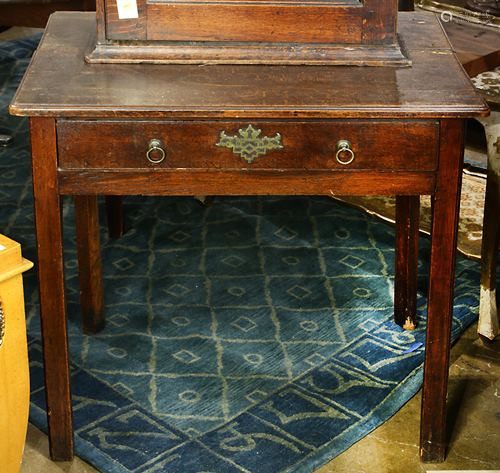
470,230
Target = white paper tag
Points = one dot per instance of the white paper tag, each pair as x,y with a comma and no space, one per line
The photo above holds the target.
127,9
2,247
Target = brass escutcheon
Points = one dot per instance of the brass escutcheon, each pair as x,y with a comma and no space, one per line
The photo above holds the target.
248,145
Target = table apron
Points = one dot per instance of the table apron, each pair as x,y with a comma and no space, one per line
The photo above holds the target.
217,182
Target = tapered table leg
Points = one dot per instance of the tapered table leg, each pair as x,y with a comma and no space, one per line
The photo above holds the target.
114,215
446,203
51,282
89,262
406,267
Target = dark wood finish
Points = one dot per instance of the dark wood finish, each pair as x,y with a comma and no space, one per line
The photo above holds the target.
35,13
377,145
445,215
181,182
406,5
406,268
185,52
89,263
78,89
258,22
477,47
51,282
286,21
114,215
255,32
379,21
417,113
119,29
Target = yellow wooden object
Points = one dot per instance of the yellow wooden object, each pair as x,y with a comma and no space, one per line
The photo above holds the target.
14,368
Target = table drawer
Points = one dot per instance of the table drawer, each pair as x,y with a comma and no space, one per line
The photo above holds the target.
307,145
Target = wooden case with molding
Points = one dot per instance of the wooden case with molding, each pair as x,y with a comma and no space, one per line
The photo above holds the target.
302,32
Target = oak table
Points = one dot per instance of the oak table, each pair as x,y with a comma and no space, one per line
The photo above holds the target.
126,129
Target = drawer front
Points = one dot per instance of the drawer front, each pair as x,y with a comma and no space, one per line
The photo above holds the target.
212,145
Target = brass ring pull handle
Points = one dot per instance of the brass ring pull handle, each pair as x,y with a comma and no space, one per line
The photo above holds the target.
344,146
155,145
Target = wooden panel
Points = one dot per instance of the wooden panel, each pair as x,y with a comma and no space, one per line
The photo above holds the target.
406,261
311,3
64,85
306,145
181,182
131,29
89,263
114,215
422,31
379,21
254,22
35,14
223,52
477,47
48,226
445,215
255,32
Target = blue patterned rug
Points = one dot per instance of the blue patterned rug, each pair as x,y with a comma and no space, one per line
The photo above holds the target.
255,335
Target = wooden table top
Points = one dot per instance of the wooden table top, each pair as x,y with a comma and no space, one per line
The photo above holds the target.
59,83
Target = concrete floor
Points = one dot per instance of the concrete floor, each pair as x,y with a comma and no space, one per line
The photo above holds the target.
473,423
